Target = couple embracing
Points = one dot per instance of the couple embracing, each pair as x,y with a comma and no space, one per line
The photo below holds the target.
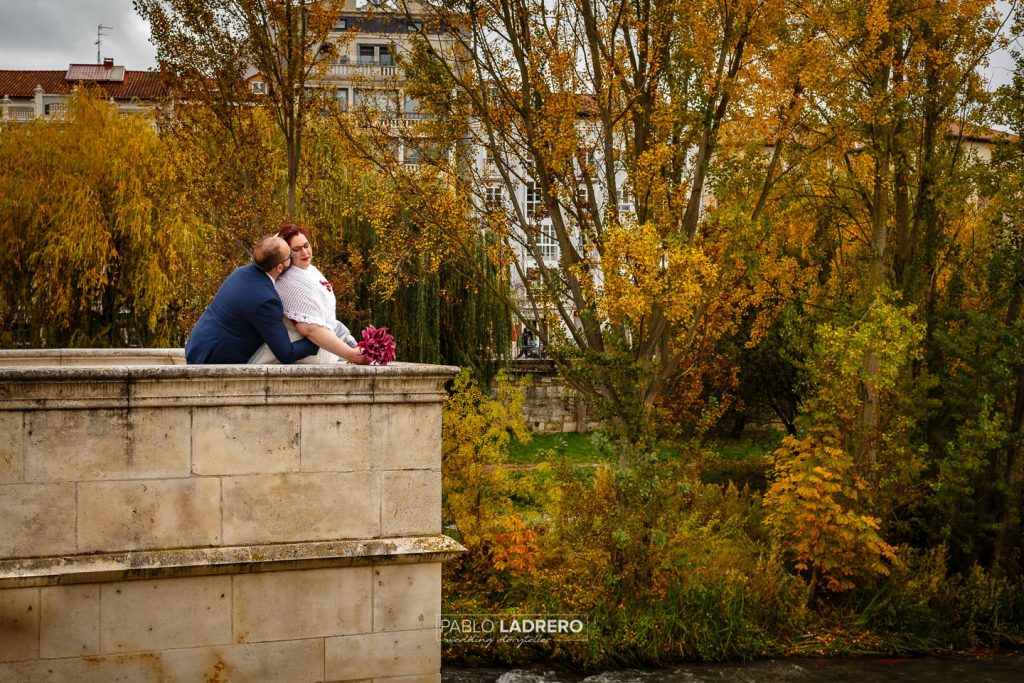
278,309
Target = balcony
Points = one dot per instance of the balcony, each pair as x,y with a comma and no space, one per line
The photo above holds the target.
369,71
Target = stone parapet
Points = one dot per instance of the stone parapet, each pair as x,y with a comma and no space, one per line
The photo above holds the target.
244,515
550,406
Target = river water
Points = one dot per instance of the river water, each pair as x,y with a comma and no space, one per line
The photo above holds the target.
1003,667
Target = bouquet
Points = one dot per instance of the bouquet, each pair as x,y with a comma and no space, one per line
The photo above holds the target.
377,345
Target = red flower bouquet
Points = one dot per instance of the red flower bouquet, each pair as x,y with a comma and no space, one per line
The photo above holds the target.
377,345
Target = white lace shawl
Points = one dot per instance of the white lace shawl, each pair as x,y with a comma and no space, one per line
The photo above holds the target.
307,297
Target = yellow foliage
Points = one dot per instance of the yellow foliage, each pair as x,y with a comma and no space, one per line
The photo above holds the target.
813,515
98,236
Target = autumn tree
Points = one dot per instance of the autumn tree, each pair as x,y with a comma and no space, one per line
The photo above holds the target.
615,116
102,245
206,49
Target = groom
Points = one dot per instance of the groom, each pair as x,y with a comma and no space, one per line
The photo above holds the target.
246,312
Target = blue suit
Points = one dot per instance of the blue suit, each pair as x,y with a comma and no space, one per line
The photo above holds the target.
245,313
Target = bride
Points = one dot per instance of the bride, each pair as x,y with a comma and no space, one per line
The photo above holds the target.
309,306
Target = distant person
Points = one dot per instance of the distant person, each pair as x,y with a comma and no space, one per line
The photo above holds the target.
310,306
247,312
530,345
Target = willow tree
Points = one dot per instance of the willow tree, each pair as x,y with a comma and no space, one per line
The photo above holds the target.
207,48
103,248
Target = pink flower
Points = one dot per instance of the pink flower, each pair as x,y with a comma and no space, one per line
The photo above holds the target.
378,346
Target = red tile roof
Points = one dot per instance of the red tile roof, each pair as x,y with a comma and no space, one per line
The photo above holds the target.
142,85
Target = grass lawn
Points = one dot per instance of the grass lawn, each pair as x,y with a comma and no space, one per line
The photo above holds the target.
575,448
741,461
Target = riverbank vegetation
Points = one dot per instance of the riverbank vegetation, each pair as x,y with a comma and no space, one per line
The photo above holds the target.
664,565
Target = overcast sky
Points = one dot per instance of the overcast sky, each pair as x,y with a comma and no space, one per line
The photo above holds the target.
50,34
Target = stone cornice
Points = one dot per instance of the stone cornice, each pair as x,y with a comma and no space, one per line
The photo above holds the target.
183,562
153,386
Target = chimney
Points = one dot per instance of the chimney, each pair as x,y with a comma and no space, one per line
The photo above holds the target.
108,62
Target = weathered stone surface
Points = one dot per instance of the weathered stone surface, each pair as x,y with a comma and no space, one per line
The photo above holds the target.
406,436
423,678
83,445
165,615
337,438
240,440
37,519
294,661
70,621
406,596
183,562
76,445
300,507
410,503
137,668
160,442
19,624
383,655
302,604
12,447
129,515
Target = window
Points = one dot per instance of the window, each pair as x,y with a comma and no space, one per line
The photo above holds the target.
374,54
259,88
422,150
383,101
534,205
547,244
494,197
415,25
341,97
367,54
341,24
625,204
413,155
412,109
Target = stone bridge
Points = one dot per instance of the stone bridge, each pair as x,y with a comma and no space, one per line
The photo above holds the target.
218,523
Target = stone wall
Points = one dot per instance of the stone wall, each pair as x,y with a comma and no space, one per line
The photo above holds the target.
259,523
550,407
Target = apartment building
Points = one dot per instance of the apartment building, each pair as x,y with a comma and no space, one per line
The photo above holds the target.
28,95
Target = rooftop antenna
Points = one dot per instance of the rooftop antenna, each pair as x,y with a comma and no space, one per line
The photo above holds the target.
99,38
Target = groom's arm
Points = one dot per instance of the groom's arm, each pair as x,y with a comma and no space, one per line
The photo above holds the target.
267,321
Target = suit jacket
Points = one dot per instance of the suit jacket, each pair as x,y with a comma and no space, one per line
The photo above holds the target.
245,313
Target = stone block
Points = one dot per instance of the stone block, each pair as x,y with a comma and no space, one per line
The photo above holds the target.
302,604
165,614
410,503
336,438
76,445
406,436
295,661
136,668
132,515
70,621
12,447
37,519
383,655
160,442
300,507
246,440
19,624
406,596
